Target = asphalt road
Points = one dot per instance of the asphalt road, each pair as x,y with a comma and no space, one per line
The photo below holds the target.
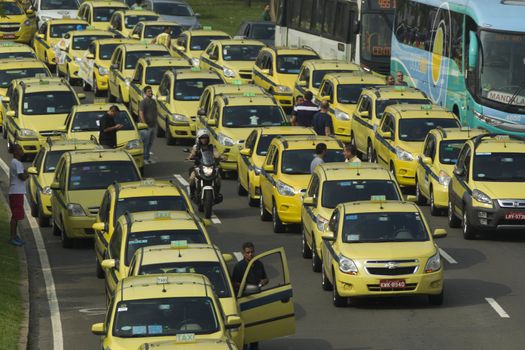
488,268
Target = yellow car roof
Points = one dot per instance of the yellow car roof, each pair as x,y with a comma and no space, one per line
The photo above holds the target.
162,220
240,42
129,12
10,63
498,143
357,77
71,145
417,111
241,100
96,107
43,84
15,47
114,41
136,46
159,254
146,188
195,74
165,62
332,64
351,171
307,142
91,32
205,32
285,130
283,50
103,155
457,133
232,89
115,4
67,21
380,207
159,23
387,92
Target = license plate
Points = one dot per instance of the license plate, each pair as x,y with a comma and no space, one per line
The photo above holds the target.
515,216
392,284
8,36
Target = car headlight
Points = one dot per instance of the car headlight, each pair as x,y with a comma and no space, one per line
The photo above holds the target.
207,170
486,119
27,23
74,209
195,61
444,179
404,155
481,197
433,263
179,118
284,189
340,115
257,170
347,265
127,81
321,222
78,59
225,140
283,89
47,190
27,133
103,71
134,144
229,73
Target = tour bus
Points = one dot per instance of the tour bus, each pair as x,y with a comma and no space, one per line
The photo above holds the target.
468,56
353,30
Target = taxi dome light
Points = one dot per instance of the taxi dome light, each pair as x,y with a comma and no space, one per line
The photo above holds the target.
182,244
426,107
195,69
399,88
378,198
40,75
206,27
162,215
249,94
237,82
185,338
90,27
162,279
147,182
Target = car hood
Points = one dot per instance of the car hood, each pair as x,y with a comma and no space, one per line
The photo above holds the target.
87,198
298,182
238,135
46,179
286,80
389,250
187,108
413,147
501,190
239,65
164,342
40,123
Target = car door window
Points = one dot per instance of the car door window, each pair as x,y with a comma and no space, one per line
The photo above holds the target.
214,111
269,157
429,149
314,186
104,208
138,74
137,30
334,221
215,53
115,243
364,104
305,74
467,164
269,64
250,141
164,86
275,162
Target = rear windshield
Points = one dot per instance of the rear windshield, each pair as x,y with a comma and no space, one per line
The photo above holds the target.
133,57
152,31
150,203
417,129
90,121
342,191
99,175
10,74
298,161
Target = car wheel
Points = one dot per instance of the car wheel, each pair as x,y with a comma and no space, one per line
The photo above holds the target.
85,85
251,201
370,153
43,220
66,241
263,213
111,98
436,299
325,282
99,270
170,140
278,226
160,132
33,207
317,264
337,299
453,220
420,199
468,233
434,211
240,190
4,132
306,251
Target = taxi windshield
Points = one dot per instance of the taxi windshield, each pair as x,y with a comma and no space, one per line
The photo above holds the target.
10,9
105,51
298,161
151,31
449,151
131,20
58,4
320,73
50,164
199,43
210,269
20,54
417,129
341,191
349,93
291,64
154,74
264,143
81,42
240,52
137,240
191,89
133,56
59,30
99,175
103,14
382,104
163,317
150,203
252,116
172,9
44,103
384,227
10,74
502,167
90,121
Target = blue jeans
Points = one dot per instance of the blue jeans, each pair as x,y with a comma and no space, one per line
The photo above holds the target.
147,136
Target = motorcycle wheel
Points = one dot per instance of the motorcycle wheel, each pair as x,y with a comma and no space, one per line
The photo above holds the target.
208,203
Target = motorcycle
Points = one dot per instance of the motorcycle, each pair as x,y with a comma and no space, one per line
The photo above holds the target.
206,183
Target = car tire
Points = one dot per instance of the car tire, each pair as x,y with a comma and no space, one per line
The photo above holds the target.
85,85
251,201
170,140
66,241
453,220
306,251
325,282
43,220
317,264
278,226
160,132
98,270
420,199
468,232
111,98
241,191
56,230
370,155
434,211
337,299
436,299
4,132
96,91
33,207
263,213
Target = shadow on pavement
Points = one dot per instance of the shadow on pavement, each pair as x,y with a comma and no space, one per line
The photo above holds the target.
303,344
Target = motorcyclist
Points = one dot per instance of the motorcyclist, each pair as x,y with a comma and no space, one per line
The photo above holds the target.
202,144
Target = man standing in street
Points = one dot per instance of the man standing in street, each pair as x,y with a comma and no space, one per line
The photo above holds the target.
350,153
148,115
108,128
17,190
320,152
303,113
322,122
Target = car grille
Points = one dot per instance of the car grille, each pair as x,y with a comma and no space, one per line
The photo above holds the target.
396,271
376,288
9,27
245,74
511,203
50,133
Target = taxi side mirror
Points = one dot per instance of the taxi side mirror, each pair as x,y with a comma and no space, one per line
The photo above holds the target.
98,329
265,71
40,35
364,114
301,83
459,171
386,135
212,122
108,264
100,226
201,112
81,96
439,233
90,56
32,170
426,160
325,98
6,99
251,289
227,257
11,114
30,12
113,66
142,126
246,152
55,185
135,36
161,98
181,48
328,236
232,322
411,198
308,201
269,168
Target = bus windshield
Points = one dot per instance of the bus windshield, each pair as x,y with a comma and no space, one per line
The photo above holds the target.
376,38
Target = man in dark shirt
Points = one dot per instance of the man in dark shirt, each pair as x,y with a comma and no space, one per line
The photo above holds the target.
322,122
109,128
303,113
148,115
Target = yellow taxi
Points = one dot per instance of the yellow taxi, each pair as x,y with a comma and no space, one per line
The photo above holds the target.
50,34
83,123
74,49
9,49
122,67
191,43
233,117
42,172
285,175
277,68
152,311
335,183
16,24
177,102
400,136
97,63
98,12
143,229
313,71
436,163
132,197
485,191
231,59
122,22
149,72
251,158
148,30
81,178
342,90
37,109
381,248
369,111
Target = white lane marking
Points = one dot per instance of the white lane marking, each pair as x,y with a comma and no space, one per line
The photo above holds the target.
182,181
238,256
497,307
54,309
447,257
96,311
215,219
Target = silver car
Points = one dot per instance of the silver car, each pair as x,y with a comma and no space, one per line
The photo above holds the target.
172,10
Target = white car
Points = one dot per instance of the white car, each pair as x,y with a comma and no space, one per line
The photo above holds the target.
54,9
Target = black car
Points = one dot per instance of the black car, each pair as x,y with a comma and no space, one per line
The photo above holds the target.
262,31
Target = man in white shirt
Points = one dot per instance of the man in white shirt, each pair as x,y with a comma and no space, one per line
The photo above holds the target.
320,152
350,153
17,189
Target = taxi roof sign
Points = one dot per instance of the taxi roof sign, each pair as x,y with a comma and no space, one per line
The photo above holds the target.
40,75
195,69
206,28
90,27
162,280
162,215
182,244
8,44
237,82
426,107
355,164
147,182
185,338
378,198
249,94
399,88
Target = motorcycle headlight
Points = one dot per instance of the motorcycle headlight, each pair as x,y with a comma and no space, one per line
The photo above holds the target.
404,155
27,133
47,190
433,263
225,140
127,82
134,144
283,89
444,179
347,265
195,61
340,115
257,170
103,71
179,118
284,189
481,197
321,222
207,170
78,59
74,209
229,73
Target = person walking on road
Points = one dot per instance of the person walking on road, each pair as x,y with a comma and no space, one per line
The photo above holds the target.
17,190
148,115
320,152
303,113
350,153
108,128
265,15
322,122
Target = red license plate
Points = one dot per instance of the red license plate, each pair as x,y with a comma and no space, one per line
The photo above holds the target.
515,216
392,284
8,36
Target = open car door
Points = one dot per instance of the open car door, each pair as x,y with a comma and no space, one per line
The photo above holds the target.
268,311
